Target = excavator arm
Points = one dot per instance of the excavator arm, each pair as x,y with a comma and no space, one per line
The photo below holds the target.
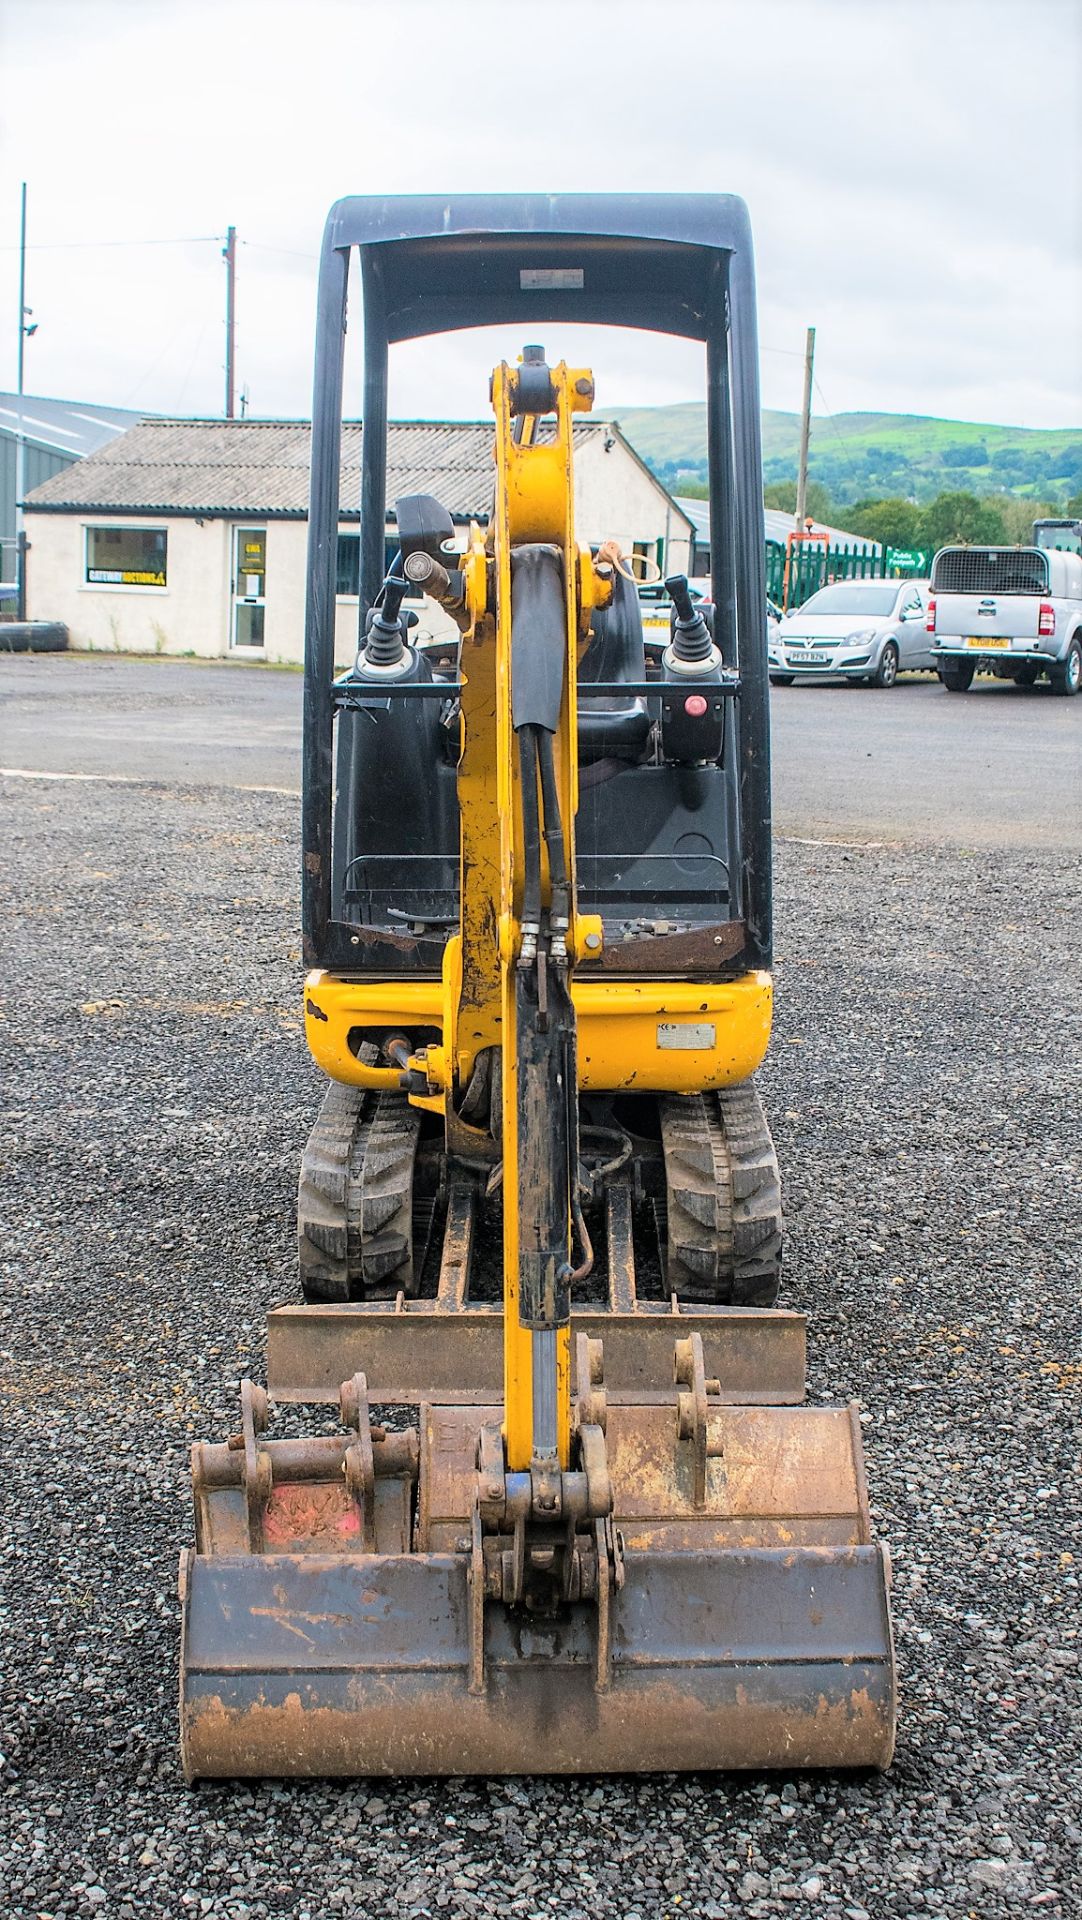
541,588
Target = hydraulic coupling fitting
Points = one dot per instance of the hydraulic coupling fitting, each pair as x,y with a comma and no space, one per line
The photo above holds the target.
527,952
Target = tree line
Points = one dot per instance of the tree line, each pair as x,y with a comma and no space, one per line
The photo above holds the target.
998,520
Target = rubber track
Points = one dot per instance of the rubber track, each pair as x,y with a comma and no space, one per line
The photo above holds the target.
355,1197
723,1190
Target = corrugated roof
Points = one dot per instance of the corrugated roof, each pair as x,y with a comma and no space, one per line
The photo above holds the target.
77,427
261,467
778,525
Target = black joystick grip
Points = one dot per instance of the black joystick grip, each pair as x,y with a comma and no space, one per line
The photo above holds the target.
692,643
676,586
395,590
384,644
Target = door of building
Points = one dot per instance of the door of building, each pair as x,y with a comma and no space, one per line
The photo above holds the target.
249,587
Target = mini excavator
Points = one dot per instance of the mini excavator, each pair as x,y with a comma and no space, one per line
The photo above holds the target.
593,1528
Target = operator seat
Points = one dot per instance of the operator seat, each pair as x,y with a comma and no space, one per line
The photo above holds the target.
611,729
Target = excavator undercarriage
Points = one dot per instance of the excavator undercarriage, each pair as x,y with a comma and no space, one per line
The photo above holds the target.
575,1516
694,1177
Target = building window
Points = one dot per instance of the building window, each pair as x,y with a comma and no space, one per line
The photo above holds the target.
126,556
348,571
348,577
652,552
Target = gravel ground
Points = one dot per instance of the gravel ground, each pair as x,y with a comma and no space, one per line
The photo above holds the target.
925,1090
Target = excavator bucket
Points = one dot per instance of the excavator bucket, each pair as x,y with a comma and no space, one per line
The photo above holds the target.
336,1618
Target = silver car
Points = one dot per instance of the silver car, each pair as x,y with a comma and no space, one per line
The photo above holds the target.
868,630
655,611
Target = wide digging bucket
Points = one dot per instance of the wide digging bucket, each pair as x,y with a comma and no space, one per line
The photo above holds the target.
322,1636
768,1658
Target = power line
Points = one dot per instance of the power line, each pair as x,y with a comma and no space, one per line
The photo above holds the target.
839,437
62,246
165,347
181,240
191,364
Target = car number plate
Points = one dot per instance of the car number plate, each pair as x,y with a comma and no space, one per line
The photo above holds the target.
984,640
808,659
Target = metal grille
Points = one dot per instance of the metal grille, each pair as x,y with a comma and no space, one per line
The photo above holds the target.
990,570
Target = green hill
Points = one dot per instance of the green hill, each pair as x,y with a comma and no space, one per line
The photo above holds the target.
870,455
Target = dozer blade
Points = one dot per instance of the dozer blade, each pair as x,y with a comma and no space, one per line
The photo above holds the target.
751,1628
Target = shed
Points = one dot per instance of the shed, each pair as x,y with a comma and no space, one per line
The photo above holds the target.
54,434
777,526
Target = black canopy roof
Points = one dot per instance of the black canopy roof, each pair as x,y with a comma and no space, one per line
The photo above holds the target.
482,259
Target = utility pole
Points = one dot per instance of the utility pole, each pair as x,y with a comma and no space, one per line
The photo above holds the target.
20,441
229,255
805,430
22,283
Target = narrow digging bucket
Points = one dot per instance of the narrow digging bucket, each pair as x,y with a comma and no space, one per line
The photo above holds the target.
751,1628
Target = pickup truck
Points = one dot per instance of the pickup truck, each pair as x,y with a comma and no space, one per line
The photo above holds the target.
1012,611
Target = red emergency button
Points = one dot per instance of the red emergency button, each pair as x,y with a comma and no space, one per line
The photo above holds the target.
695,704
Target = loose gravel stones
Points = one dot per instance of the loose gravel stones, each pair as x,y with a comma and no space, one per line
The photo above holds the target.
924,1094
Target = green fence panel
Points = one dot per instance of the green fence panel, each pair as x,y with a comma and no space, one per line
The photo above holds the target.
814,566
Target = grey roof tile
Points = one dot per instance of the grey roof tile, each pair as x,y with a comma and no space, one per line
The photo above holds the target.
261,467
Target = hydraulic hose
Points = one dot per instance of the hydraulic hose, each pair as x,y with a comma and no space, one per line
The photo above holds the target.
554,832
586,1249
531,831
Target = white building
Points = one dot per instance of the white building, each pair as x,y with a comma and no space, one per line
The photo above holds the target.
188,536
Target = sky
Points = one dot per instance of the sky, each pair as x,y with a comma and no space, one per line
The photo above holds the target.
913,170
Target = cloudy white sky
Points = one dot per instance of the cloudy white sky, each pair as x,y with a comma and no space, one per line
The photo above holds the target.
913,170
